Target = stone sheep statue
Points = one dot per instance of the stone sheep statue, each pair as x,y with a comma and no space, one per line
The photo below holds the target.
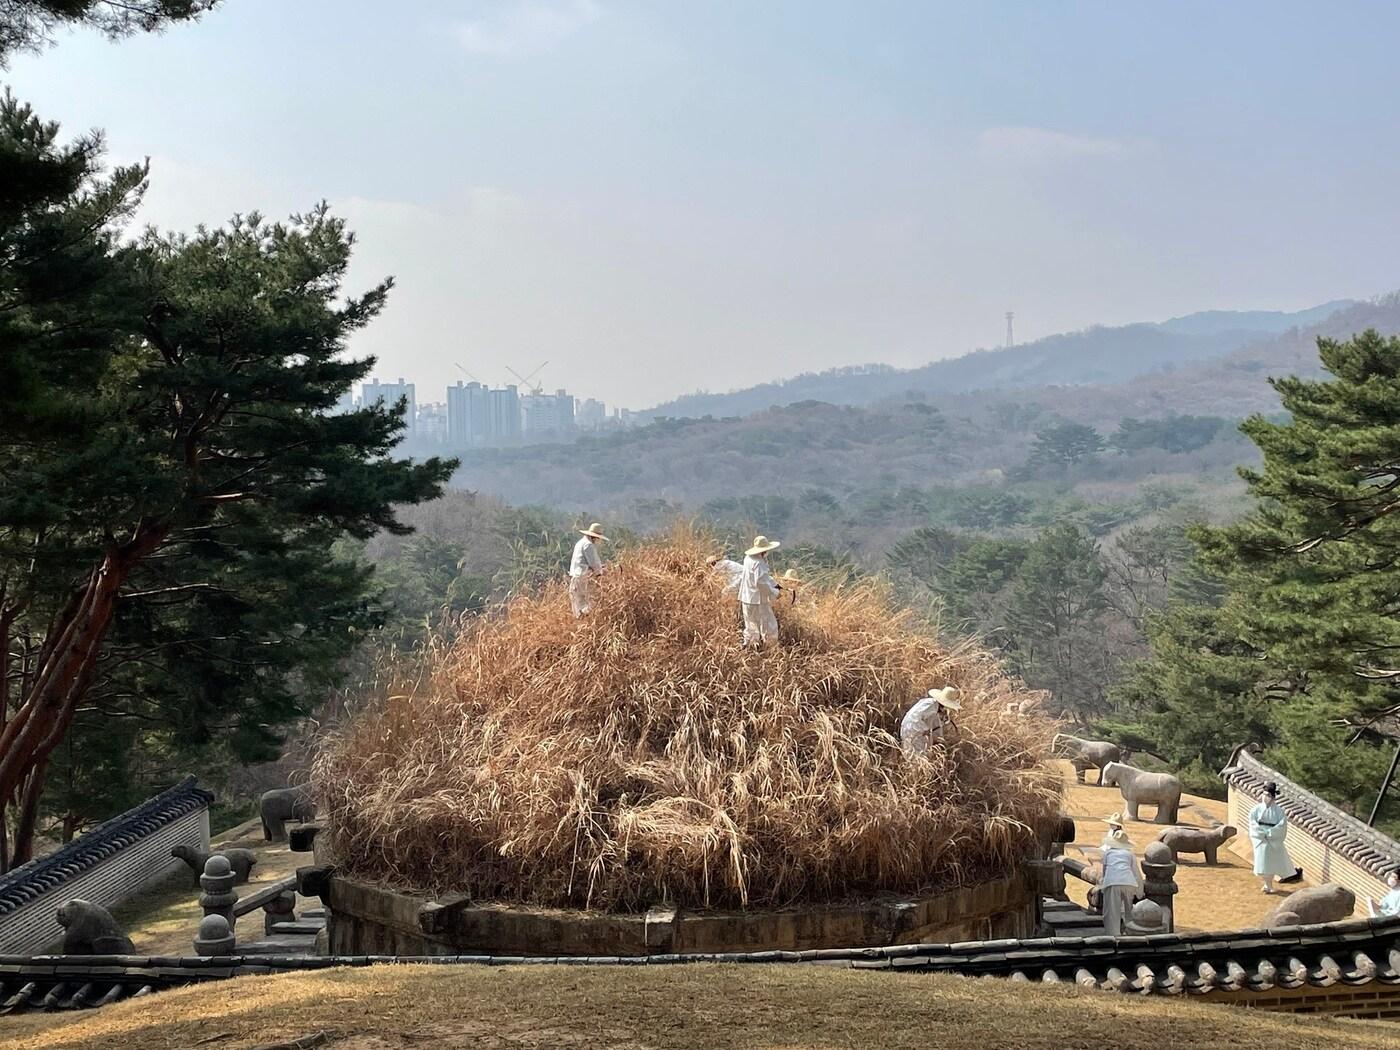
89,929
281,805
1138,786
1330,902
1086,754
240,860
1184,839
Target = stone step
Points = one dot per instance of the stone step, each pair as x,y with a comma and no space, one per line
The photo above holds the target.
312,913
284,944
300,926
1066,918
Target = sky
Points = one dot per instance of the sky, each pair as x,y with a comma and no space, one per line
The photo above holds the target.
657,198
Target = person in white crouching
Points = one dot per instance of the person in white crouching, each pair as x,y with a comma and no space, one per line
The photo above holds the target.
584,569
923,723
757,589
1121,878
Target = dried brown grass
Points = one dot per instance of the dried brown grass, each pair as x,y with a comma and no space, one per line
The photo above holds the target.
641,755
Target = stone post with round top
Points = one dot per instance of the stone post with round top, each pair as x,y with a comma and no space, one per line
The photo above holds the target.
219,896
1159,880
215,937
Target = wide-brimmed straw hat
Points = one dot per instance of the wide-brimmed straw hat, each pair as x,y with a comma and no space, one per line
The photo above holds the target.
595,530
762,545
1119,838
947,697
791,578
1115,821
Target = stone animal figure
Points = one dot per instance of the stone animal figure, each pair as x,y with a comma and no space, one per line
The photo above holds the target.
1138,786
1086,754
281,805
1183,839
89,929
1330,902
240,860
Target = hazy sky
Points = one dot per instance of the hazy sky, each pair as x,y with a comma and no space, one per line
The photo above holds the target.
663,197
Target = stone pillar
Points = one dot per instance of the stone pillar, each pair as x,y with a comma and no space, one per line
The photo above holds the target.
215,936
219,896
1158,874
282,908
1148,917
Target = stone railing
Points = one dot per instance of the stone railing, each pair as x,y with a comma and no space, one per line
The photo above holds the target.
223,907
106,866
1328,844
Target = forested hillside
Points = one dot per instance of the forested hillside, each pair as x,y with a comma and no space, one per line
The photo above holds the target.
1095,355
859,454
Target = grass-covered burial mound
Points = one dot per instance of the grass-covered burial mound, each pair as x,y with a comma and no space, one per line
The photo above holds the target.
640,755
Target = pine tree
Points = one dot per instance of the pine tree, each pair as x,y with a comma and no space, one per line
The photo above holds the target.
172,480
27,25
1312,571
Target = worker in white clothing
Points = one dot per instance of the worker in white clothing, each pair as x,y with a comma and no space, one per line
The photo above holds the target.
1121,879
757,589
728,569
584,569
923,723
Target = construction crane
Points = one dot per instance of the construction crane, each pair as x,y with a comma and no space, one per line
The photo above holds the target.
525,381
466,373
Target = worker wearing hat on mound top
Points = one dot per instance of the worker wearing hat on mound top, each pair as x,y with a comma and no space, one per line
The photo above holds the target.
923,724
585,568
757,589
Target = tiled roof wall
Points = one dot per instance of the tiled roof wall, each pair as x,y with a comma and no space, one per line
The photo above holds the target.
106,866
1356,962
1367,848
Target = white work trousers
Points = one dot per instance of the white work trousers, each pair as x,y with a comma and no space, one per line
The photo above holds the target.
760,624
1117,908
581,590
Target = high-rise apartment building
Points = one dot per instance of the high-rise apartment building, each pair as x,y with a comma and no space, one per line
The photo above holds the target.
503,415
468,416
549,415
591,414
431,425
390,394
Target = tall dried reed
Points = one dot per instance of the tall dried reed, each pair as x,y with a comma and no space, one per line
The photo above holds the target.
640,755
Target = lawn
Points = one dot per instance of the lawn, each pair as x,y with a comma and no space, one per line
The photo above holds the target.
702,1005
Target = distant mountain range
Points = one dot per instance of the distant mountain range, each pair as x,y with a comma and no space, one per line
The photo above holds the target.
1096,355
919,434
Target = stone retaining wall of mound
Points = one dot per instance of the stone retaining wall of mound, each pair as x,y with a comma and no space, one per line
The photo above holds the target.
365,919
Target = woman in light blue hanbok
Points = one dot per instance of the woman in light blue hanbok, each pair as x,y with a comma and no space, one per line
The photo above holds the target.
1388,906
1268,826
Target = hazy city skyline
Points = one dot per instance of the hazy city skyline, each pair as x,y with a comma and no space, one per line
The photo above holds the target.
657,199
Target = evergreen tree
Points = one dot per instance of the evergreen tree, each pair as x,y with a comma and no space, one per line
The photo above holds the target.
171,478
1056,619
1313,568
26,25
1065,444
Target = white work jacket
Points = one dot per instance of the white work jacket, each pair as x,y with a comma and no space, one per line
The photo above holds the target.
731,571
585,561
756,584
